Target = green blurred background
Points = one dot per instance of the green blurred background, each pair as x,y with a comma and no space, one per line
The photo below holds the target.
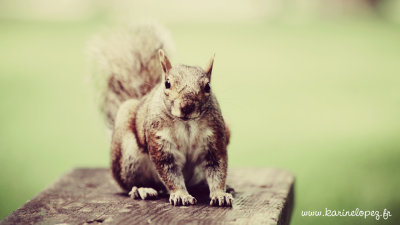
307,85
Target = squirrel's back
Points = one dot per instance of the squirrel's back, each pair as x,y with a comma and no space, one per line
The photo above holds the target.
127,64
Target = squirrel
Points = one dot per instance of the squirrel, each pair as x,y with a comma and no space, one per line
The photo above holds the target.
168,132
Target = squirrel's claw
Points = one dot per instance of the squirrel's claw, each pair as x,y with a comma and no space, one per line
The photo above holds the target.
221,198
181,198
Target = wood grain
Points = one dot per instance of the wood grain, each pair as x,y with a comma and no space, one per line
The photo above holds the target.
91,196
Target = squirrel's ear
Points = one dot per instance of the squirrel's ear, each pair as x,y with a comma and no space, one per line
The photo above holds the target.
209,66
165,63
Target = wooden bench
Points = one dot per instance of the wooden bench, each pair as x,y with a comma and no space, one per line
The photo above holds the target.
90,196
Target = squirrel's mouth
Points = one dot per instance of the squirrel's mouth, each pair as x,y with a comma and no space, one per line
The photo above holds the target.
188,117
185,118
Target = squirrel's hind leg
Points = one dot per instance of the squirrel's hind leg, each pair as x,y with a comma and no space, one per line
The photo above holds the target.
143,193
131,167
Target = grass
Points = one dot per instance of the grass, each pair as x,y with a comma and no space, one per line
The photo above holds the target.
320,99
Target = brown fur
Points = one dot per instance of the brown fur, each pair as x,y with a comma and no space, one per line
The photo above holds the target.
164,162
116,164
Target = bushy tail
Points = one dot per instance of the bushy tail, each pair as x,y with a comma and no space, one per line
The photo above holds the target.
127,64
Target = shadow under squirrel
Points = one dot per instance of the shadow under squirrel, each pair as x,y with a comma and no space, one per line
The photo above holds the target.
168,132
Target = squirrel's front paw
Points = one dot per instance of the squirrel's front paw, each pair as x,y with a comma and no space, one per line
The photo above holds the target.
181,198
221,198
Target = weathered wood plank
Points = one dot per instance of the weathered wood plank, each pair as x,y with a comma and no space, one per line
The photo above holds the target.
90,196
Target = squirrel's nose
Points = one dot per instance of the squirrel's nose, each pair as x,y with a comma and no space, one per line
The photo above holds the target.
187,109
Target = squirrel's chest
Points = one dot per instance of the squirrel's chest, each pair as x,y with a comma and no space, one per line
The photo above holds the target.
190,139
186,140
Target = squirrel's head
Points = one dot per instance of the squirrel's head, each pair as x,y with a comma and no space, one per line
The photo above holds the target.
187,89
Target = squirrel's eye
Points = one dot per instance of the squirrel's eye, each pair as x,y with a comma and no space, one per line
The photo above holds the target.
167,84
207,88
